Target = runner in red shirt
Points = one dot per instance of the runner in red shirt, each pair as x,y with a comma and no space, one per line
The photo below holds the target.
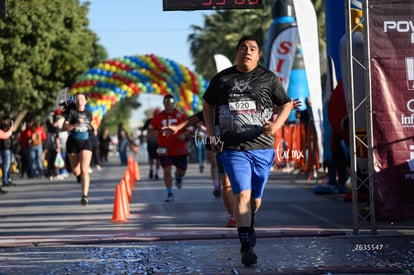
171,148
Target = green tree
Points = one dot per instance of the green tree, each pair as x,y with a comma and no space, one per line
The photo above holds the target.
44,46
222,30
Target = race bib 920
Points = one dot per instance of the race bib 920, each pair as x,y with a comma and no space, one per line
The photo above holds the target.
242,106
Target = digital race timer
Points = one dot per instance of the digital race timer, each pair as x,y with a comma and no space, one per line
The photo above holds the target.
171,5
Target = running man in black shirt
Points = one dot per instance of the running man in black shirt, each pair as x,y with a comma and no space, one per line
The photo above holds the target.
245,95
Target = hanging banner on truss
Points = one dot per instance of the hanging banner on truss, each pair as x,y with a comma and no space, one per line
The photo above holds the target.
391,37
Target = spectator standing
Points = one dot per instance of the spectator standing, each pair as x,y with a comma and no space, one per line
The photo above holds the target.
246,95
52,145
37,138
152,145
123,141
143,153
24,141
104,142
62,136
311,137
96,163
201,148
204,150
6,150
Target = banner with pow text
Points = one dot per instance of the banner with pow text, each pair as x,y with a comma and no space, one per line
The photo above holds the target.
391,40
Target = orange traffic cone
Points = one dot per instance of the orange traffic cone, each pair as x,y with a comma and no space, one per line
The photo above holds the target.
136,171
129,179
131,172
125,181
118,213
125,200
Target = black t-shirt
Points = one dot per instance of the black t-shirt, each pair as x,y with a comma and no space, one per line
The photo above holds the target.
84,130
244,101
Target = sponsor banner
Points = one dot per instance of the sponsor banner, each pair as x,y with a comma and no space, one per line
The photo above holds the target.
392,75
308,33
282,54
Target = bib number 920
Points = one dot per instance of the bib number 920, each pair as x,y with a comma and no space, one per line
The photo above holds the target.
242,106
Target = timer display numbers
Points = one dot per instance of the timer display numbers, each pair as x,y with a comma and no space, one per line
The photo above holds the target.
173,5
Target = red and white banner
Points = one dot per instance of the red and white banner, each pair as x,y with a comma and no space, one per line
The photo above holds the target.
391,27
309,40
282,54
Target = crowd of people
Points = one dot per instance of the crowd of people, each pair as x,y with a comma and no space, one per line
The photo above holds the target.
54,147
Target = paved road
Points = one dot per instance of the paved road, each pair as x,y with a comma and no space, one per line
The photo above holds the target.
45,230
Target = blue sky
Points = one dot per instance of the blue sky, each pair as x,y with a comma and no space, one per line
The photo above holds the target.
129,27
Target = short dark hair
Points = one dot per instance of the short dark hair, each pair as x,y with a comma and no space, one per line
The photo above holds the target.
247,38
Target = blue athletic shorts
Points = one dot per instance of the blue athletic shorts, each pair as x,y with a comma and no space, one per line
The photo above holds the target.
248,170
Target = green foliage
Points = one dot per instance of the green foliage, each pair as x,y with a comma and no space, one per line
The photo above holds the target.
44,45
220,34
223,29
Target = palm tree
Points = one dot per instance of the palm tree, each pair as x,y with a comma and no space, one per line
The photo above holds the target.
223,29
220,34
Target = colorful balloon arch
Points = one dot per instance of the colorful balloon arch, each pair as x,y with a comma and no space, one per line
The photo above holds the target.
114,79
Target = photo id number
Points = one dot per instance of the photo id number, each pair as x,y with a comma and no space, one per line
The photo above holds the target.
367,247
